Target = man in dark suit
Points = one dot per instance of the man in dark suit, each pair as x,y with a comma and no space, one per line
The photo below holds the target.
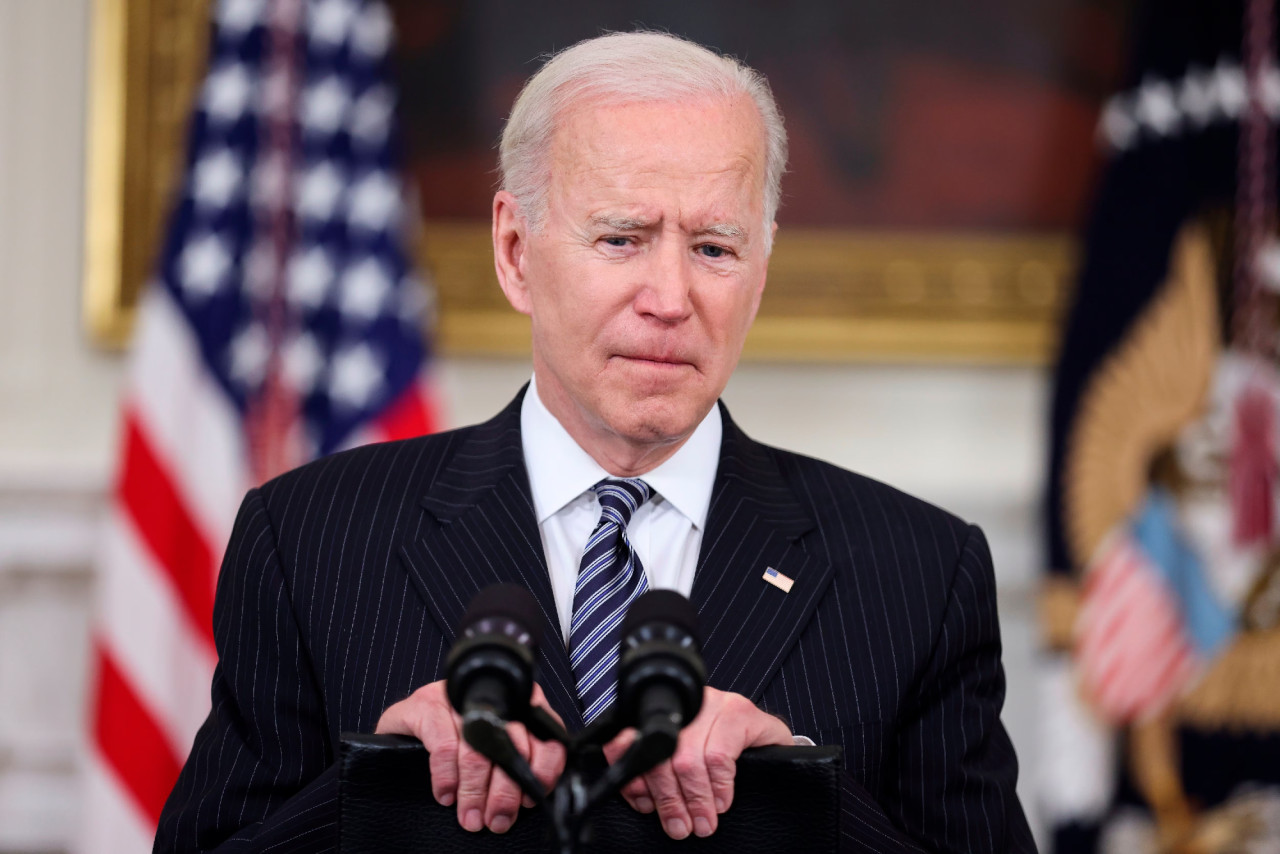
640,180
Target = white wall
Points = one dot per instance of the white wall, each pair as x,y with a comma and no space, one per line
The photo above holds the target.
56,391
56,401
966,438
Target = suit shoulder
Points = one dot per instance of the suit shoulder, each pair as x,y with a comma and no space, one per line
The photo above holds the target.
829,490
865,529
411,465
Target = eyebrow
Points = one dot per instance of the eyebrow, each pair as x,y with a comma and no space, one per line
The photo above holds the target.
723,229
630,223
620,223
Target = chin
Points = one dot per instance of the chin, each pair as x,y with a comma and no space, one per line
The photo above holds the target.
643,422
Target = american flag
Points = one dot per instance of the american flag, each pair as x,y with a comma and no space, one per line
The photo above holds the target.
1150,620
284,322
1132,649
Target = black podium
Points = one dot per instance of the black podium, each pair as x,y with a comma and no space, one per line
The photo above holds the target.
785,799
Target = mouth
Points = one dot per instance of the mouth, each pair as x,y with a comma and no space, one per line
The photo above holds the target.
654,360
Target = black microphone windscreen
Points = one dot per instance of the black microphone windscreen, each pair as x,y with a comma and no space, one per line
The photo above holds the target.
665,606
506,600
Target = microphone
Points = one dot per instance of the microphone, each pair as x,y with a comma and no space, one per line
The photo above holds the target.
489,671
660,680
489,679
661,673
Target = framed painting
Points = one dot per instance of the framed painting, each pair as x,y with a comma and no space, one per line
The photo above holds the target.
941,158
146,59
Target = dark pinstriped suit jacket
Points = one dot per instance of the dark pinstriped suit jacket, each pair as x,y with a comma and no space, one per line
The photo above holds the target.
344,580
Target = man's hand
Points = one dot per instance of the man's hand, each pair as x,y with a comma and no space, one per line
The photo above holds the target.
692,788
485,795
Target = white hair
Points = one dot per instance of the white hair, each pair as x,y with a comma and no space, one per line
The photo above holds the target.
628,67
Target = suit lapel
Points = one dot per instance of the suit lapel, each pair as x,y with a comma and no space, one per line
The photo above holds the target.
486,533
754,523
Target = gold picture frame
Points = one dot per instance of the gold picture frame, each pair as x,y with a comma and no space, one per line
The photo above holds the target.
832,294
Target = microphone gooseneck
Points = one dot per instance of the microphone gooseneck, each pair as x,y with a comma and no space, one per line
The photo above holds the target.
489,681
660,684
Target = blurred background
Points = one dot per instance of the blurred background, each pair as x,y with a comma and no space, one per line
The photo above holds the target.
1025,270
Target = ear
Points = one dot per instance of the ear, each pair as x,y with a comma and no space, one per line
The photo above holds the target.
510,236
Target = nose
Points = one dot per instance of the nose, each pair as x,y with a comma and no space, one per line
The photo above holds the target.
665,294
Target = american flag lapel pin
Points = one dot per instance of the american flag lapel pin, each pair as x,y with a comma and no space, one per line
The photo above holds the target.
778,580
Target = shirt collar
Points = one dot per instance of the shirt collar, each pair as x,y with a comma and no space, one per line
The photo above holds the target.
560,471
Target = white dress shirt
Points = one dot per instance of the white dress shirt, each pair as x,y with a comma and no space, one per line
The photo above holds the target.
666,532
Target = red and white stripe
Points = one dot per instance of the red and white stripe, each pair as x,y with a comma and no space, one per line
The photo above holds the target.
182,473
1131,649
188,456
184,469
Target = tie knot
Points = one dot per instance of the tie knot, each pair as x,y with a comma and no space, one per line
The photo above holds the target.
620,497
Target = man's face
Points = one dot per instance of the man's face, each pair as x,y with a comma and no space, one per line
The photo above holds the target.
650,265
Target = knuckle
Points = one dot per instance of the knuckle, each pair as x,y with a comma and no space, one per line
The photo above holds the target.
721,762
503,800
635,789
473,765
699,803
473,768
668,801
446,753
473,789
436,741
549,759
443,783
686,764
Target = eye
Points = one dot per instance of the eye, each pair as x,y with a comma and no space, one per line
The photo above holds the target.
617,241
711,250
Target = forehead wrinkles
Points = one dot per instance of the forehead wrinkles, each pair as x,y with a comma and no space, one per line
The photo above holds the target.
611,220
720,202
690,141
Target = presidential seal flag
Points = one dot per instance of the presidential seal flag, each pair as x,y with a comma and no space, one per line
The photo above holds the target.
284,322
1163,721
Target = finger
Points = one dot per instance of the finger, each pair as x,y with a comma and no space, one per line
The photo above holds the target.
668,799
618,744
503,802
690,766
636,791
547,760
721,754
426,715
443,756
638,795
523,744
740,724
474,772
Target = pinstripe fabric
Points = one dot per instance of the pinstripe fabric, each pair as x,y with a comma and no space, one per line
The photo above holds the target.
345,579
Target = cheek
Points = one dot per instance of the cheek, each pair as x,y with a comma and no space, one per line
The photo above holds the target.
552,295
728,312
586,301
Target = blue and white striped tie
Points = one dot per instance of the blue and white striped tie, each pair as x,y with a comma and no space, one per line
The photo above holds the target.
609,578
